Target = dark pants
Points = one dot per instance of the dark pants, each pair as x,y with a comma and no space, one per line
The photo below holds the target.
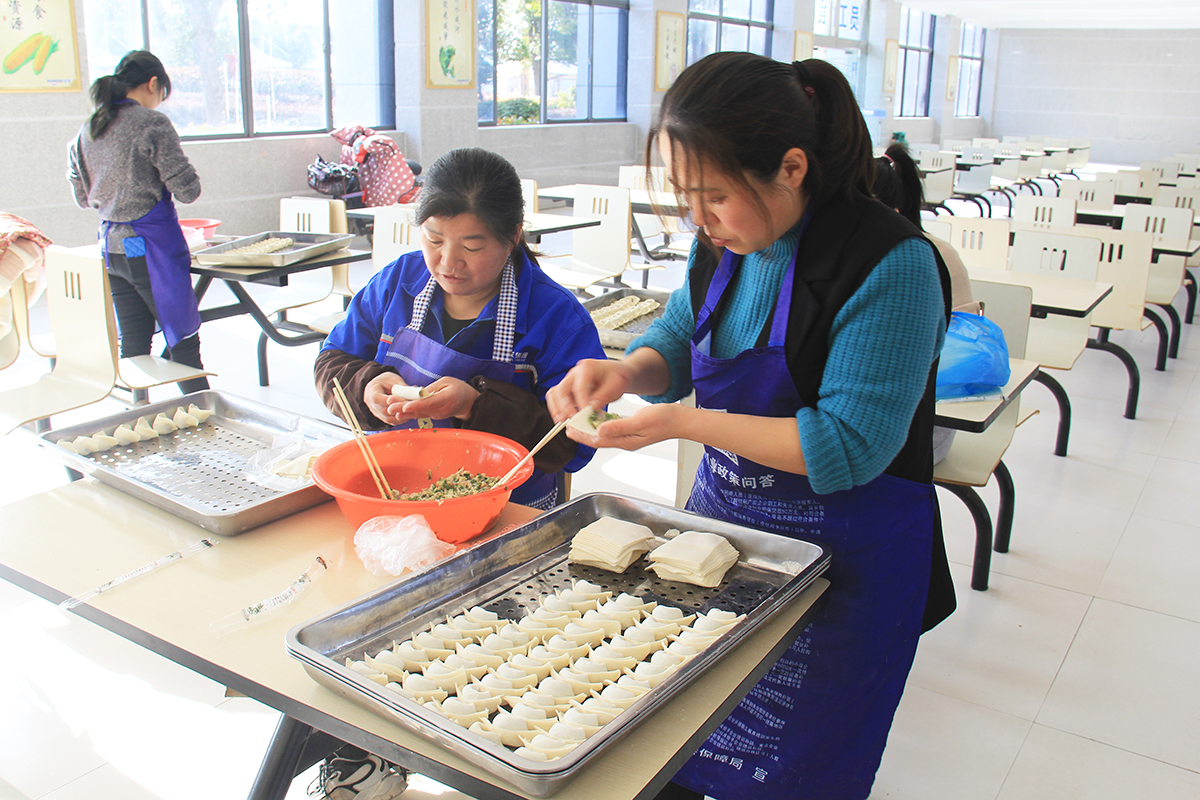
137,322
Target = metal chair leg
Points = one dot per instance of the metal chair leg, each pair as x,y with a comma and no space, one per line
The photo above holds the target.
1064,410
1135,379
983,533
1190,287
1176,328
1164,338
1004,513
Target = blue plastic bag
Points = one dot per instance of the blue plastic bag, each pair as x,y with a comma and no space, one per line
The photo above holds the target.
974,358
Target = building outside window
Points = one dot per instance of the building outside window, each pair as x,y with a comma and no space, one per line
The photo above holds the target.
580,78
720,25
915,64
970,71
839,30
241,68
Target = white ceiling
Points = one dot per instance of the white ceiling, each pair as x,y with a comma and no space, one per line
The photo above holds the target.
1116,14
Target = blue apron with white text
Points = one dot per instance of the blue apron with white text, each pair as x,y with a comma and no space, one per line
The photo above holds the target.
421,361
160,242
815,726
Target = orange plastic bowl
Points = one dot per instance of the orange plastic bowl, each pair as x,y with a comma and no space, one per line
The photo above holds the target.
207,226
413,460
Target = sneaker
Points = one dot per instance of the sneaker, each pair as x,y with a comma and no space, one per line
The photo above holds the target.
368,778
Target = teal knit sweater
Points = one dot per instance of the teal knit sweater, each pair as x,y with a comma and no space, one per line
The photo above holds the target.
881,347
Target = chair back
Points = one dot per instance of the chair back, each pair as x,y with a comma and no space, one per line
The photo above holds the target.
604,246
1189,163
1044,210
1178,197
985,142
982,242
1043,253
1030,167
308,215
977,155
1168,222
1013,139
1080,153
529,193
1055,162
937,159
396,233
937,228
955,145
1096,195
938,186
977,179
1166,170
1125,263
1008,305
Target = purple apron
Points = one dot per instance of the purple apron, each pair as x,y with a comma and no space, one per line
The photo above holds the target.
160,242
815,726
420,361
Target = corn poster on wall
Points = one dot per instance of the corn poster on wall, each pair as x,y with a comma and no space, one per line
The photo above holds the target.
38,46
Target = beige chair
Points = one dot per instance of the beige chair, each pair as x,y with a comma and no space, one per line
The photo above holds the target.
395,234
675,243
974,183
974,458
1184,195
1096,195
982,243
10,339
1136,184
529,193
86,364
600,253
1079,155
937,183
1047,212
984,142
1167,272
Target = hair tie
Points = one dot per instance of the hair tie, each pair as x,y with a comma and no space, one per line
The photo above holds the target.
805,79
889,159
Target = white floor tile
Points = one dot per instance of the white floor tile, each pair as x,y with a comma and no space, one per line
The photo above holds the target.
1053,765
928,756
1154,567
1129,681
1002,648
1170,492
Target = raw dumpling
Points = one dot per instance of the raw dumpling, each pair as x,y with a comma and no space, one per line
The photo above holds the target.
83,445
200,414
126,435
183,419
144,429
163,424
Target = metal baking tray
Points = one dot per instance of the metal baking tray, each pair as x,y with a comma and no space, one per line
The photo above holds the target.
627,333
306,246
196,473
507,574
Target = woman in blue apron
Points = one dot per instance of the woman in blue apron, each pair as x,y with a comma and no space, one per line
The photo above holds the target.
127,163
809,328
472,318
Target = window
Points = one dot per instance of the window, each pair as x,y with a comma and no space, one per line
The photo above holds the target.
970,71
717,25
915,63
582,76
840,28
240,68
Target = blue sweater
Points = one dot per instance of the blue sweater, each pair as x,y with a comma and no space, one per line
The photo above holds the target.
882,344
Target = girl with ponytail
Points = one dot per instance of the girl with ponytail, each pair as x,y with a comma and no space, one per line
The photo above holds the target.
808,328
128,163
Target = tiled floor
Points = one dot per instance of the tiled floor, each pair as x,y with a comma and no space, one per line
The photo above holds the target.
1074,675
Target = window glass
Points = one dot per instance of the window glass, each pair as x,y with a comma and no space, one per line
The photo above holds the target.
287,64
759,41
485,45
850,20
734,37
203,62
702,39
846,60
518,62
970,72
760,10
915,63
610,56
736,9
705,6
567,40
824,14
362,62
114,27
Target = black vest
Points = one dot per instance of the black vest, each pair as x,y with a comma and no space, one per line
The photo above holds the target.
844,241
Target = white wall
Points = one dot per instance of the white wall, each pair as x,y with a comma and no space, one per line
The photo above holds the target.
1135,93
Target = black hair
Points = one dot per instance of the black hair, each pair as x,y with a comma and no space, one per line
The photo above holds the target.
472,180
135,68
898,183
740,113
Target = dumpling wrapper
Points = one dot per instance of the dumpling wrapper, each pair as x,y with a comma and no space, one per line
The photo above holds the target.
104,442
126,435
83,445
406,392
201,414
163,424
144,429
483,728
531,755
586,418
183,419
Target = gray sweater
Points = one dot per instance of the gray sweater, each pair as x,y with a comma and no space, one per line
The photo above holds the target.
122,173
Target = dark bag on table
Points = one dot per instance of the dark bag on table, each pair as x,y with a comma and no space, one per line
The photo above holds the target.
337,180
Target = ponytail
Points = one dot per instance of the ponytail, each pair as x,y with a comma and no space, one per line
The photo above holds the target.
898,183
135,68
844,153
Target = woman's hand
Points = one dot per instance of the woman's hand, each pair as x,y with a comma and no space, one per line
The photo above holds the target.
447,397
591,382
654,423
378,396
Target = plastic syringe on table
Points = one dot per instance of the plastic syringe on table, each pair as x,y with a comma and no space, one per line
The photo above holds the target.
169,558
251,613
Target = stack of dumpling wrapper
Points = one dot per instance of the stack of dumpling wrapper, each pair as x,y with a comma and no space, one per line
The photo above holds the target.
611,544
700,559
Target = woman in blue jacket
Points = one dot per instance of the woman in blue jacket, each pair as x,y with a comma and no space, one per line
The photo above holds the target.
809,328
472,318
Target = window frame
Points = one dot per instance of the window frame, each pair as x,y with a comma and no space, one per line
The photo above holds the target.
544,64
965,60
835,41
246,75
905,49
720,19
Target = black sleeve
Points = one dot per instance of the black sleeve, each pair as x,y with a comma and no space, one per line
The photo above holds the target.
512,412
353,373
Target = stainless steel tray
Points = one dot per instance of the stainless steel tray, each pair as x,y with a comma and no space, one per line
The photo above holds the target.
508,574
196,473
306,246
627,333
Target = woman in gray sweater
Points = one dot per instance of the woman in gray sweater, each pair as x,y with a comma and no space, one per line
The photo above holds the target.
127,163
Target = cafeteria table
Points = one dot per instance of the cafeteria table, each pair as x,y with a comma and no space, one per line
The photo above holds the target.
46,550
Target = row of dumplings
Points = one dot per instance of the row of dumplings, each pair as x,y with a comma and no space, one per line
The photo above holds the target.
145,428
543,684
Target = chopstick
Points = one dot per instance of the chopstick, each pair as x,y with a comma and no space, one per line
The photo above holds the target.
373,467
553,432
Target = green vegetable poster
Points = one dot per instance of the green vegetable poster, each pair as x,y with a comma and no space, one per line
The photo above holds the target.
37,45
450,44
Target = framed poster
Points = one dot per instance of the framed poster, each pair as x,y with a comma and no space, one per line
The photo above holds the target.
668,49
891,59
39,49
952,79
803,47
449,44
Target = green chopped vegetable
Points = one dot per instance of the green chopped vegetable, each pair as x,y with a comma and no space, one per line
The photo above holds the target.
458,484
